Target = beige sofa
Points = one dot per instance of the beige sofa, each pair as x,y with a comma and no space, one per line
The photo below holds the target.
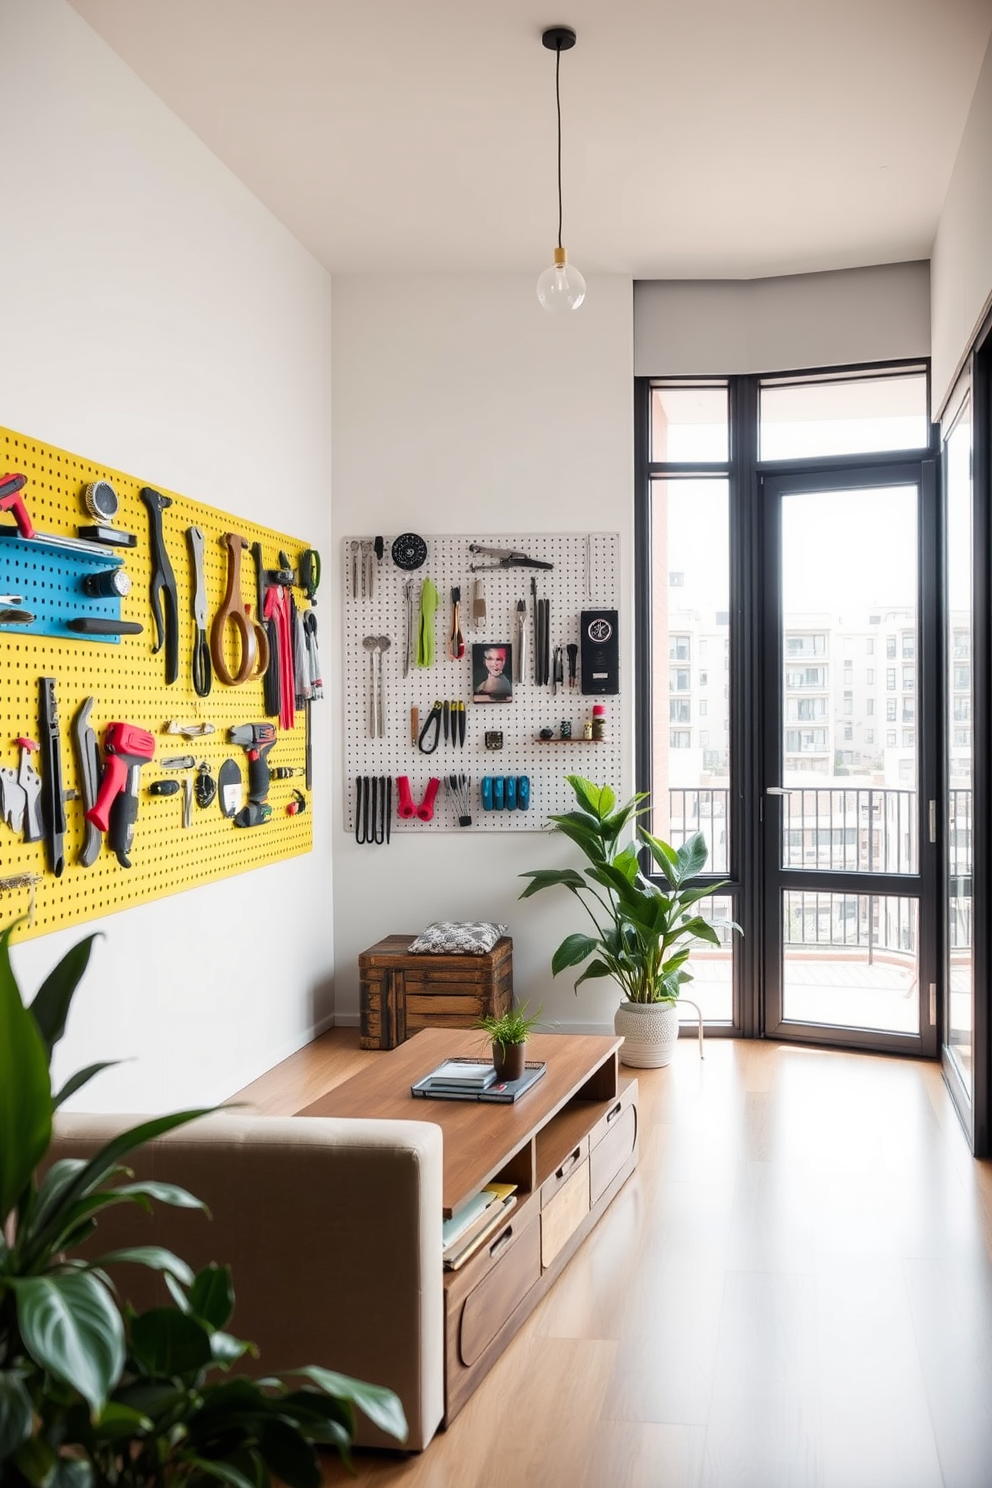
332,1229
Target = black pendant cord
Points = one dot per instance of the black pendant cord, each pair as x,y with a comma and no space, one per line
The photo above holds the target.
558,107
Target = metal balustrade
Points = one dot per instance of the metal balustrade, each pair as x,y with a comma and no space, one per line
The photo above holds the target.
856,829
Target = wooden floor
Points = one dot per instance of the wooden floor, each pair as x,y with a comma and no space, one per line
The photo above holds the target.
794,1289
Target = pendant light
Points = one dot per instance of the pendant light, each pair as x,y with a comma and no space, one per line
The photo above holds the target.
561,287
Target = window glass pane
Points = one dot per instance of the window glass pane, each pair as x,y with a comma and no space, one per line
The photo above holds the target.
689,423
690,536
712,967
843,416
851,960
960,970
849,577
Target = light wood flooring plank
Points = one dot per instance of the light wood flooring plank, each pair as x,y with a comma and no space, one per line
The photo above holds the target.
794,1290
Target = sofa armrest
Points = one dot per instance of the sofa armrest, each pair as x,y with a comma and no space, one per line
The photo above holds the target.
332,1229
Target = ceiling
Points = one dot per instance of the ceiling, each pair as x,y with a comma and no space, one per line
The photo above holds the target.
702,138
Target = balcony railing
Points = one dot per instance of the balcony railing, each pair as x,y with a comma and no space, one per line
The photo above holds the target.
861,829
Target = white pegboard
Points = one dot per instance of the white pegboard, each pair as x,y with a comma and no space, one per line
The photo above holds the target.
584,576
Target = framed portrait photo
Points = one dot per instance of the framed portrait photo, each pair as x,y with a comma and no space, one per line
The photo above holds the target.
492,672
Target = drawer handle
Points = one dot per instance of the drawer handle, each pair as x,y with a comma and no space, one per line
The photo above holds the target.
569,1163
501,1240
615,1112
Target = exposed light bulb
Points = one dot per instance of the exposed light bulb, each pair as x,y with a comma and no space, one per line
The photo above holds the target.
561,287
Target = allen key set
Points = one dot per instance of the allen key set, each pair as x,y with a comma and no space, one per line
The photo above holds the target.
464,657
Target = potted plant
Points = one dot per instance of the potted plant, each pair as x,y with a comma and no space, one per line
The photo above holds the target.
91,1398
643,934
508,1034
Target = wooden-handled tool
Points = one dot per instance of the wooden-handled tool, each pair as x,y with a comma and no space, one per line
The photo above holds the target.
456,641
253,641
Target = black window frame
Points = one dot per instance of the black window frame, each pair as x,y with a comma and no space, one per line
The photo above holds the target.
743,471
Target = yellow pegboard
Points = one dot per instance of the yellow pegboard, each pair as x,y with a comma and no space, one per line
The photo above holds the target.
127,681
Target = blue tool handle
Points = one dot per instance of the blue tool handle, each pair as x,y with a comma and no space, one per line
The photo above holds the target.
523,792
486,789
510,786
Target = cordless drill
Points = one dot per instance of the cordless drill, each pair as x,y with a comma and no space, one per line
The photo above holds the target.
126,749
256,739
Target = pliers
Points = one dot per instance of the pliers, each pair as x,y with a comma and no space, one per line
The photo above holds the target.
202,670
508,558
163,584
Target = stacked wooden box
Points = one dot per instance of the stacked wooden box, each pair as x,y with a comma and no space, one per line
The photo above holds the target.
400,993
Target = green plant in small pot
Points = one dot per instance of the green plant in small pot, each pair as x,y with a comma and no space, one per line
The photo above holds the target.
509,1033
95,1397
644,933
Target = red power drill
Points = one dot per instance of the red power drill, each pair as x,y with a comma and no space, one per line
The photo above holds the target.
126,749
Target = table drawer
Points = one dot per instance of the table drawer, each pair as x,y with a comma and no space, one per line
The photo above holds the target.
564,1171
612,1141
563,1214
516,1253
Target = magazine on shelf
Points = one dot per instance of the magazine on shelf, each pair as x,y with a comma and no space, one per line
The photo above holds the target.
502,1092
474,1217
491,1219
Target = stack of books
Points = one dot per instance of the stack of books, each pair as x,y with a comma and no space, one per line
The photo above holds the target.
470,1079
470,1227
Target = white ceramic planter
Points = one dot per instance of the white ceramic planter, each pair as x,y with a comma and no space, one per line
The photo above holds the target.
649,1032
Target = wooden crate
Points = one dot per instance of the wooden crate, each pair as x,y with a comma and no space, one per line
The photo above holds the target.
400,993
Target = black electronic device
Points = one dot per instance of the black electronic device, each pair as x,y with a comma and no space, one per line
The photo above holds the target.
600,652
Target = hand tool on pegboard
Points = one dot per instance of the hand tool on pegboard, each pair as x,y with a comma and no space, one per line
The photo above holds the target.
253,642
521,640
456,641
202,670
163,584
126,748
408,808
280,680
508,558
104,625
189,730
88,773
53,796
297,805
13,800
12,500
273,612
310,573
256,739
30,782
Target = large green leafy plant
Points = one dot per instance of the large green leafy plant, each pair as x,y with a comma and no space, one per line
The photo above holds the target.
93,1396
644,933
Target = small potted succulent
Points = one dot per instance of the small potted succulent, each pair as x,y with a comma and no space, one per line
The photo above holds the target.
509,1033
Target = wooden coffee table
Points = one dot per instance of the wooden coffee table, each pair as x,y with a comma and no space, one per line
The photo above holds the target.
480,1139
569,1144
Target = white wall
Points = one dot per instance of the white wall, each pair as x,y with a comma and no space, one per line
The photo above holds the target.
962,250
460,405
158,319
722,327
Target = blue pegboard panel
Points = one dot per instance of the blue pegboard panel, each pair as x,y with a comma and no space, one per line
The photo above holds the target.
49,577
